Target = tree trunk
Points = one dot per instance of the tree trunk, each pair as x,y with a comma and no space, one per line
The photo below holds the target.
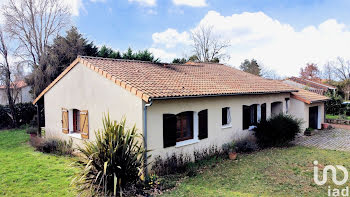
38,118
10,100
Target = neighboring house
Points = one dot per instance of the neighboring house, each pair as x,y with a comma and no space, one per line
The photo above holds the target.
315,86
20,91
178,108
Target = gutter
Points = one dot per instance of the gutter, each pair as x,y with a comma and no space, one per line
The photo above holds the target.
145,133
217,95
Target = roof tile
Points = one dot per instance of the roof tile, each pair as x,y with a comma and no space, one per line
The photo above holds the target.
176,80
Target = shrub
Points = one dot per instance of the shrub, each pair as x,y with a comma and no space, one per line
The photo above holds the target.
334,106
25,113
113,160
228,148
171,164
206,153
31,130
277,131
52,145
6,121
176,164
246,146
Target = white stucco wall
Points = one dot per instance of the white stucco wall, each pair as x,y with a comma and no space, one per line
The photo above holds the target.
23,96
84,89
300,110
3,97
216,134
26,97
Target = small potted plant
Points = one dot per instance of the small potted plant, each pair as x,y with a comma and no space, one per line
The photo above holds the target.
232,154
32,132
230,150
307,131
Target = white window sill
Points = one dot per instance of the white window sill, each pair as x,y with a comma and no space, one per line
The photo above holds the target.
186,142
226,126
75,135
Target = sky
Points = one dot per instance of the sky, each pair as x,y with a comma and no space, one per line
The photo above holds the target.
281,35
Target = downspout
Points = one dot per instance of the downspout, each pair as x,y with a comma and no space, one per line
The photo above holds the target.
145,133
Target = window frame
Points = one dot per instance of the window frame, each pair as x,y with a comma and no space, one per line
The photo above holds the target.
76,121
226,111
187,119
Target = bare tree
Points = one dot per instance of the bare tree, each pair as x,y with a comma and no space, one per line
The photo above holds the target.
341,69
207,46
6,75
328,72
269,73
34,23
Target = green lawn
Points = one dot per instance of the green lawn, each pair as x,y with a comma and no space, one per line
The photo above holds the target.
272,172
329,116
25,172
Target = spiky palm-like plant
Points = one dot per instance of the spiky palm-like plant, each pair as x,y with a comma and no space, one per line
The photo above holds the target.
114,159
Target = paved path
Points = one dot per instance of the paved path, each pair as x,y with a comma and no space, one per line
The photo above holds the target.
334,139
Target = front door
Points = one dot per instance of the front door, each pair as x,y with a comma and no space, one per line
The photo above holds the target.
313,117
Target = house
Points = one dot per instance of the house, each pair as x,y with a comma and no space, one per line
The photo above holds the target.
315,86
20,91
178,108
309,107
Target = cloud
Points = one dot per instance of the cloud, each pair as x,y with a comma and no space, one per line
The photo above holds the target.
162,55
192,3
276,45
146,3
171,37
75,6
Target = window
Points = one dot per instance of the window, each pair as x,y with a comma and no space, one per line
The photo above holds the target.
226,116
75,123
184,126
203,124
250,115
76,120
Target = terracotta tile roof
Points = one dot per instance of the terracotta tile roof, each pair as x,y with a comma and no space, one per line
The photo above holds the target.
307,96
312,83
157,81
174,80
17,84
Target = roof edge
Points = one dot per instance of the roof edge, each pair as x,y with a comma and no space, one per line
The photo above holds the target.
118,82
300,99
217,95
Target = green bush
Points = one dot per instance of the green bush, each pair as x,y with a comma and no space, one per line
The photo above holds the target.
277,131
334,106
25,113
113,160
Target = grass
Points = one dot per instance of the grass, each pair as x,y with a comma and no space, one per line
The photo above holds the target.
25,172
334,117
272,172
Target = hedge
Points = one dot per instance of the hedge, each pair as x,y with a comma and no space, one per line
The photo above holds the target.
25,113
